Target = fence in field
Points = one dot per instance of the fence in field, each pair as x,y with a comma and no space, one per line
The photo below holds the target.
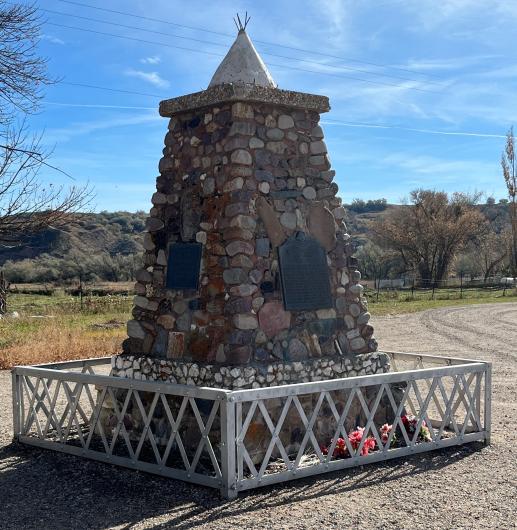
47,299
85,305
406,289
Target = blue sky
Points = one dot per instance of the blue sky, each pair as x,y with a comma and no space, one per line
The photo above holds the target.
431,115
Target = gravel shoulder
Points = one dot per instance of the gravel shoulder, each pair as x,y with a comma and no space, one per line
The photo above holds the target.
464,487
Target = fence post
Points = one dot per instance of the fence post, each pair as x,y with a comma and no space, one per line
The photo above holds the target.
228,448
81,289
488,403
16,404
461,285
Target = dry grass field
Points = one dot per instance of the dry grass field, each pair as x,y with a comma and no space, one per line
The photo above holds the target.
59,327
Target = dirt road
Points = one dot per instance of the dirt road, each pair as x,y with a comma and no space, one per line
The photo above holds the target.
466,487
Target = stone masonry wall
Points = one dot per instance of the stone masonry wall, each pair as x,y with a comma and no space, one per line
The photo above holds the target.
241,178
257,376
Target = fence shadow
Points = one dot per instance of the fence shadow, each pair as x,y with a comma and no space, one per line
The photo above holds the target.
42,488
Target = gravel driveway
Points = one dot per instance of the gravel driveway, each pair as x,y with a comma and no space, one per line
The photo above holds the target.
464,487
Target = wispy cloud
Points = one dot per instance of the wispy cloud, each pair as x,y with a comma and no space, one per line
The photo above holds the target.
411,129
153,78
153,59
334,11
441,169
64,134
53,39
95,106
447,63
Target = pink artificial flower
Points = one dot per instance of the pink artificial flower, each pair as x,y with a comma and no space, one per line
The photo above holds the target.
385,432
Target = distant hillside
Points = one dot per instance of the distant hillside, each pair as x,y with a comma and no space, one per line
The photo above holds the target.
358,222
108,246
104,246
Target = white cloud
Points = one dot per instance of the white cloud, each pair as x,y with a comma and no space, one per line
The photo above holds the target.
153,59
150,77
334,12
53,39
64,134
447,63
442,170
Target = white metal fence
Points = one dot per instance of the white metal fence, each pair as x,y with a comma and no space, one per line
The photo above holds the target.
238,440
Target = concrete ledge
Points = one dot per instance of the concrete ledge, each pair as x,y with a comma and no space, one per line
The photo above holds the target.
230,92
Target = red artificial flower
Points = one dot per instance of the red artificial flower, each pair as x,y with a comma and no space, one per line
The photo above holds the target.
369,445
340,450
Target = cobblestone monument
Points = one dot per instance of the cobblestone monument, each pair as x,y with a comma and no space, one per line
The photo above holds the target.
249,277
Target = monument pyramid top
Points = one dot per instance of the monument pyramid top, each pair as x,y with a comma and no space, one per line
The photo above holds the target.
243,76
242,65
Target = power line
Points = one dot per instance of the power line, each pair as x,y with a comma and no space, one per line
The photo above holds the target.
266,43
136,39
97,87
323,122
222,55
95,105
146,18
412,129
369,72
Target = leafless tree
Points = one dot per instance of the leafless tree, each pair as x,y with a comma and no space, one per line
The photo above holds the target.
491,251
429,232
23,72
27,202
508,162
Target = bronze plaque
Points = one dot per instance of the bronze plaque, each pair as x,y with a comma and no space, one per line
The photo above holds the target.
183,266
304,274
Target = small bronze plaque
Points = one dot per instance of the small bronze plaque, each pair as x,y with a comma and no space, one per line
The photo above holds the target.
304,274
183,266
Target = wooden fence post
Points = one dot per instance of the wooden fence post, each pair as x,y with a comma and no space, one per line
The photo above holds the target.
4,287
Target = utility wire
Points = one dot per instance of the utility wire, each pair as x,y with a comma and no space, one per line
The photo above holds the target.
95,105
351,68
412,129
193,28
323,122
97,87
222,55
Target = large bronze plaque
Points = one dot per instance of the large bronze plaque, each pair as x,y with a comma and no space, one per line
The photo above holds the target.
183,266
304,274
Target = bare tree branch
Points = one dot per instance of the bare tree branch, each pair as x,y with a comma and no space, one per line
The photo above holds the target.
508,163
429,233
28,203
23,71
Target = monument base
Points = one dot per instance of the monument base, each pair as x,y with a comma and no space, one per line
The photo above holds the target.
249,376
245,377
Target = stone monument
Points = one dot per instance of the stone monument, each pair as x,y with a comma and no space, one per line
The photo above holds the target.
249,278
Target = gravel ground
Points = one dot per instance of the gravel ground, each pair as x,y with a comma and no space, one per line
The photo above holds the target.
465,487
